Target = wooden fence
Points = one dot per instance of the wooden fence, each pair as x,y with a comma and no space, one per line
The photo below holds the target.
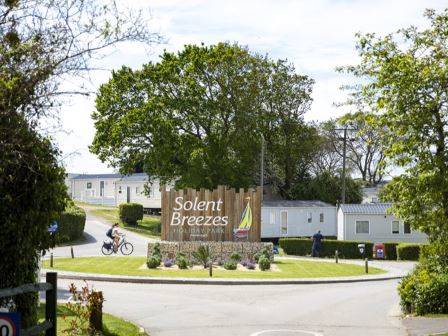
233,204
50,287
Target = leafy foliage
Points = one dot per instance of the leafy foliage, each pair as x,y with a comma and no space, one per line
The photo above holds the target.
130,213
198,116
71,224
230,265
408,251
406,83
327,188
32,194
264,263
203,255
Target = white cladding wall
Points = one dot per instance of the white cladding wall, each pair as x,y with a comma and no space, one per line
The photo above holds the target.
297,221
133,191
80,190
380,229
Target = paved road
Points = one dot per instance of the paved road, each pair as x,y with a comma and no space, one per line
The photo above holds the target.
339,309
95,233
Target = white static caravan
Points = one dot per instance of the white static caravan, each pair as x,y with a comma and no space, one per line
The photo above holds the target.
94,188
297,219
371,222
131,189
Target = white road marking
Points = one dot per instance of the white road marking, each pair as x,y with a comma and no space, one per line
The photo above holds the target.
313,333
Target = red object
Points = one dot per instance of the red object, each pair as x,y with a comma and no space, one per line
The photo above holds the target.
379,251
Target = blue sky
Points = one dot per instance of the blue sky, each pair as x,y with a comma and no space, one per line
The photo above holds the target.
315,35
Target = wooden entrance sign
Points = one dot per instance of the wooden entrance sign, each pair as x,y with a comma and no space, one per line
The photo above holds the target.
211,215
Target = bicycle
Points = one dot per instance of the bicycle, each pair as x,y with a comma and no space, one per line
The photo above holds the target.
124,246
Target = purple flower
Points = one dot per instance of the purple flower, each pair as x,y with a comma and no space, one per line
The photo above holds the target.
250,265
168,262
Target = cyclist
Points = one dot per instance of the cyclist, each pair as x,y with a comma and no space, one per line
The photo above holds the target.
114,234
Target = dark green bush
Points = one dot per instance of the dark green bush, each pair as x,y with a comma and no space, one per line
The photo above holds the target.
347,249
71,224
235,256
130,213
153,262
264,263
391,251
230,265
408,251
181,262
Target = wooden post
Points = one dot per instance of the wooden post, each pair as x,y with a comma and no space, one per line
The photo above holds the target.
367,265
72,253
51,302
51,260
210,268
96,313
336,256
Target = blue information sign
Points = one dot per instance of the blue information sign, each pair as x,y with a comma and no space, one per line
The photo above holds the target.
9,324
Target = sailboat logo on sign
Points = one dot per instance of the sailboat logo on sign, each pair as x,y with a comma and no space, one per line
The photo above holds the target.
242,231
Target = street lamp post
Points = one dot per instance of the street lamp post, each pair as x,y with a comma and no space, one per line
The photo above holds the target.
262,166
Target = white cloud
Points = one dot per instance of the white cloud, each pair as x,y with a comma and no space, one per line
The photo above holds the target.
315,35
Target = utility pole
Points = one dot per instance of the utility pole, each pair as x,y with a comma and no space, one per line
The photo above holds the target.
262,166
344,155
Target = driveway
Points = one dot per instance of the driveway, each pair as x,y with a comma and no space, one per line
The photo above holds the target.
95,233
190,310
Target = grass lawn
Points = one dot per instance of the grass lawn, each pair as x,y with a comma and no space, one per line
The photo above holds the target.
148,226
289,268
113,326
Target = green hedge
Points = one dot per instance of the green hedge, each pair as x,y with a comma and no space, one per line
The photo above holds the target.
346,249
130,213
71,224
407,251
391,251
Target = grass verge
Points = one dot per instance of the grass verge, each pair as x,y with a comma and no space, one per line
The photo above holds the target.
113,326
149,226
288,268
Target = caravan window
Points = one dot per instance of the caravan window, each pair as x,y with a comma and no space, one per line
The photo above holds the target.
310,217
89,185
321,217
137,190
407,228
362,227
395,227
283,222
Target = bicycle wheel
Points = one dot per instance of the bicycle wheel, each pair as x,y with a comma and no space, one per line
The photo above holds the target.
106,251
127,248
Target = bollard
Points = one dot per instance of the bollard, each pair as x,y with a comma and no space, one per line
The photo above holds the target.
336,256
51,260
72,253
210,269
367,265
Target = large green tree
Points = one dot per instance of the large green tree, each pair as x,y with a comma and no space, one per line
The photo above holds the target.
405,78
42,43
198,117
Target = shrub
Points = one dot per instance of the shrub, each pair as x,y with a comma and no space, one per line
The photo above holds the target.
71,224
153,262
408,251
264,263
230,265
203,255
130,213
264,252
235,256
423,292
391,251
182,262
347,249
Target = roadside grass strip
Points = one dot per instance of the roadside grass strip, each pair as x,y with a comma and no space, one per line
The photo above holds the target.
113,326
132,266
146,227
